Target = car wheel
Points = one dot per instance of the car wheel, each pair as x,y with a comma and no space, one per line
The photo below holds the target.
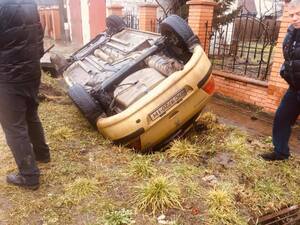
178,32
89,108
114,24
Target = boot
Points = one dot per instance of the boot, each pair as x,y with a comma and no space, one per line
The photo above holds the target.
273,156
23,181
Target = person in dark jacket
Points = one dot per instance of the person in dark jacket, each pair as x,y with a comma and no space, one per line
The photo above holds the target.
21,47
289,108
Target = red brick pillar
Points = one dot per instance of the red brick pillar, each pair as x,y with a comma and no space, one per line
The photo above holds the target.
115,10
56,25
200,19
277,85
75,20
147,17
97,17
42,17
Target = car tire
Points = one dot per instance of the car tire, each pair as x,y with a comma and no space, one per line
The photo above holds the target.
175,25
89,108
115,24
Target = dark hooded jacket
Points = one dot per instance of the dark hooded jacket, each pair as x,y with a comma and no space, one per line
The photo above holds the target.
21,42
290,70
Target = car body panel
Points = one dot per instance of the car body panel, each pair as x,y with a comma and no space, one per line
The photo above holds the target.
169,101
119,126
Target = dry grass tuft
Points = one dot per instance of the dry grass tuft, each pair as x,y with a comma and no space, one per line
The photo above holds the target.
183,149
158,194
63,133
221,206
208,120
142,167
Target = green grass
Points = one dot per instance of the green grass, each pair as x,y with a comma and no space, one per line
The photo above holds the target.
237,142
92,182
121,217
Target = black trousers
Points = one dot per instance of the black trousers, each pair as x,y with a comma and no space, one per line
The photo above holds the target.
22,126
285,117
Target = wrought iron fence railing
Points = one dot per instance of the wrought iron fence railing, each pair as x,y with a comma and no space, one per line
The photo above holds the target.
243,47
131,20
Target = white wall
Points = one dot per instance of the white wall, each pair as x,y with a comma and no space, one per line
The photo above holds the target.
264,7
85,15
69,17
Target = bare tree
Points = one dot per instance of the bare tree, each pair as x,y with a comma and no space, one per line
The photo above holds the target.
172,7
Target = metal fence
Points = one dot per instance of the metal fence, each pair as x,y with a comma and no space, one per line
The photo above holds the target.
245,46
131,20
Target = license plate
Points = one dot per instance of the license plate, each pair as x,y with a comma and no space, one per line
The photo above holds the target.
162,109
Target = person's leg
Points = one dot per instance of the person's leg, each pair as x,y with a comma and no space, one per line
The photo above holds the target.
12,118
36,133
286,116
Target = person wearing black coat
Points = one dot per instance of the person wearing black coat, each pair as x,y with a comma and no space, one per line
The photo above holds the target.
21,47
289,108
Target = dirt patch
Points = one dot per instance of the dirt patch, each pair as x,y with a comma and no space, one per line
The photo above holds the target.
52,90
48,92
224,159
48,89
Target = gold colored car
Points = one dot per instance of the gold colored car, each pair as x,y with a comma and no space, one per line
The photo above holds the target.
138,88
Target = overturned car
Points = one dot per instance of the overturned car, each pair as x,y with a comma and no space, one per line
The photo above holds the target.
139,88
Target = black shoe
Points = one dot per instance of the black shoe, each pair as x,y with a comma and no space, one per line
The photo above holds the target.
43,160
19,180
272,156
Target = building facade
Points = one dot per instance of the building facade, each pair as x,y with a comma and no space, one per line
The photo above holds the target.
75,20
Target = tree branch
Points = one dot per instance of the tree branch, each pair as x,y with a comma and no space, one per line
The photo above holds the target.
164,10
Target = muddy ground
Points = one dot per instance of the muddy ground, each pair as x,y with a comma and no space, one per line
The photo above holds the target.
249,119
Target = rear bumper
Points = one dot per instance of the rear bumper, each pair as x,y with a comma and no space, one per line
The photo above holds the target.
163,110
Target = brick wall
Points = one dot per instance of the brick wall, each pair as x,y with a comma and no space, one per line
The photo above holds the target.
241,89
